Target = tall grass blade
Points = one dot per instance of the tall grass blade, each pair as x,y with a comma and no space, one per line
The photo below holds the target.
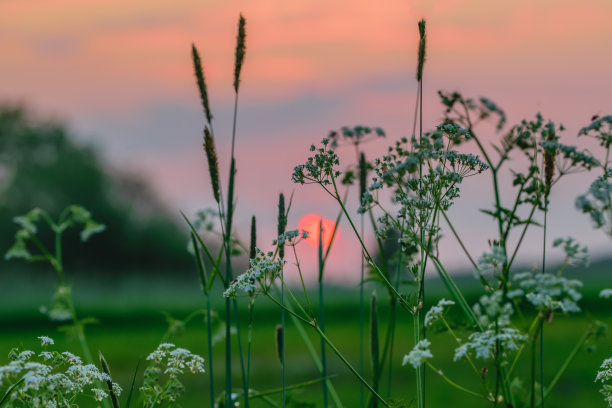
109,382
8,393
131,393
374,347
203,281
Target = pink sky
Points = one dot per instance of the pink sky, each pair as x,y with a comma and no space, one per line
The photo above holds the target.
120,74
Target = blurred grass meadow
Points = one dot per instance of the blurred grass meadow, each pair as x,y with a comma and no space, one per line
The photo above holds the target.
133,317
116,267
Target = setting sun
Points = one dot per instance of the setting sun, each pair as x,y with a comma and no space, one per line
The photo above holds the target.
310,223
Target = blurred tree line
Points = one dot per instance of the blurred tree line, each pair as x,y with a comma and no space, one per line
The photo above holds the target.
40,166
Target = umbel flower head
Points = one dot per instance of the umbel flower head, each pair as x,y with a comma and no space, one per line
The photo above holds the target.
51,378
419,354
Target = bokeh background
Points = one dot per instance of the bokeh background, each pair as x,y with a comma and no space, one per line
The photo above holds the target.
98,106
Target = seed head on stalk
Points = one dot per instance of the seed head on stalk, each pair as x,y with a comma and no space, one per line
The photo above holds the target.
282,223
549,168
199,73
253,247
363,170
240,51
213,162
421,50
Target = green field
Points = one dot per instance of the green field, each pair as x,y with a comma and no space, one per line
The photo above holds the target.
132,323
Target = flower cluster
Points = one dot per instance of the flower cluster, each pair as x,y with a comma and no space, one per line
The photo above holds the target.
492,309
418,354
176,360
548,291
491,262
574,253
52,379
484,344
597,203
263,268
436,312
171,361
318,168
354,135
604,375
290,237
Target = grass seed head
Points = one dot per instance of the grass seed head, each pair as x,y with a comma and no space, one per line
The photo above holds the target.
240,51
363,171
253,248
421,50
199,73
213,162
279,342
282,223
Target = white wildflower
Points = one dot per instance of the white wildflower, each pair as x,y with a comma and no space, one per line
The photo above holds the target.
484,344
605,371
549,291
25,355
71,358
437,312
574,253
605,293
46,341
262,267
290,237
491,261
418,354
99,394
491,308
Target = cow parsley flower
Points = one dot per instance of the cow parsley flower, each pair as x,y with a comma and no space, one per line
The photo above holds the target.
491,308
483,344
418,354
46,341
161,378
436,312
604,375
605,293
491,262
548,291
263,267
51,379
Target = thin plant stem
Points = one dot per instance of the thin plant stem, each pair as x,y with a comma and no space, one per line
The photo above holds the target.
349,366
322,313
452,383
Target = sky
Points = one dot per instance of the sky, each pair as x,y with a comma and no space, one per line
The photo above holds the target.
120,75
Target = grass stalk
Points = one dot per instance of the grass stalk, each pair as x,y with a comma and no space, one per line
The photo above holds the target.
321,263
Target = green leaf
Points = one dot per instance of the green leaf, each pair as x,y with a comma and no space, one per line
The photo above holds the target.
91,227
18,251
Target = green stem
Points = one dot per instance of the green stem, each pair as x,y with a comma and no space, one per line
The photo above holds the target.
454,384
349,366
567,362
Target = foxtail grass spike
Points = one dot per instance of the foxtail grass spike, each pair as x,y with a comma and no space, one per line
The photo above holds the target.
240,51
213,162
421,50
363,171
279,343
199,73
282,223
253,246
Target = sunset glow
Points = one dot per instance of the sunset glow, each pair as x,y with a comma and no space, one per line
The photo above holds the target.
311,223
